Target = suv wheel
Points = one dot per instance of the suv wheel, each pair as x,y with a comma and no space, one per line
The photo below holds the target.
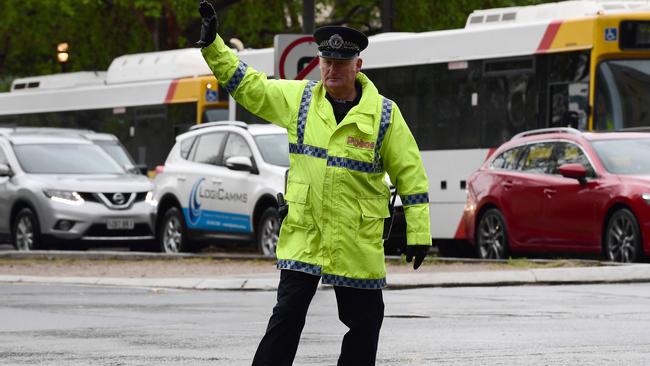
171,233
268,231
622,237
25,230
492,236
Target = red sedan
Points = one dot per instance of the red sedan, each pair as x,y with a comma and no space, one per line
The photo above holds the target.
563,191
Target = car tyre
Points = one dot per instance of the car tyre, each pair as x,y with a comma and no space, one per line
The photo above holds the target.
623,238
172,233
268,232
492,236
25,230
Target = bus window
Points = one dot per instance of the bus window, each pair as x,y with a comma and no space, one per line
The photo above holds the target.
569,105
215,114
241,114
622,96
567,89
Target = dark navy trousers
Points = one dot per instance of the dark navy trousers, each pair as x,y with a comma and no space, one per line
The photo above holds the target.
361,310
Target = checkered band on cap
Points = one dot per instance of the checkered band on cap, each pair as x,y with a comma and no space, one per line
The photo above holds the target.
299,266
315,151
305,101
236,78
360,166
414,199
361,283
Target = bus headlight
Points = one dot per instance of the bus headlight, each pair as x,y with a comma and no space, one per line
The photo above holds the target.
67,197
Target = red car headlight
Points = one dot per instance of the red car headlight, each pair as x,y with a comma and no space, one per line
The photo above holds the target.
646,197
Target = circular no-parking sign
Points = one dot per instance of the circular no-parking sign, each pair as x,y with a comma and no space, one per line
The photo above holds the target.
295,57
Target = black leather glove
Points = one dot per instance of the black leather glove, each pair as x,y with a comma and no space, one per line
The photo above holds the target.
419,252
283,207
208,24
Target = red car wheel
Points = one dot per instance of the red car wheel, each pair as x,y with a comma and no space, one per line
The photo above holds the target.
492,236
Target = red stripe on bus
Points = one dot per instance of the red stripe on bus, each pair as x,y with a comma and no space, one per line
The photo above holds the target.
549,36
171,91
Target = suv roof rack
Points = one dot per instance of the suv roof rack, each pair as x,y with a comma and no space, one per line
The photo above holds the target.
542,131
220,123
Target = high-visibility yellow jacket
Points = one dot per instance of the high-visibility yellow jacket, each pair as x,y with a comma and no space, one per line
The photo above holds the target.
337,193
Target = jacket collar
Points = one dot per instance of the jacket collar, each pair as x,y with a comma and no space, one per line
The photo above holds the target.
367,106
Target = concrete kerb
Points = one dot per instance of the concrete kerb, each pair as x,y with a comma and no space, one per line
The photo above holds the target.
539,276
122,255
536,276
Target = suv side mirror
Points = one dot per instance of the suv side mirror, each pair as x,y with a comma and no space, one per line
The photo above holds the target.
575,171
241,163
5,171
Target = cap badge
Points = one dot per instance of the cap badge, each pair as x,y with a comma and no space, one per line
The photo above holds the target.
336,41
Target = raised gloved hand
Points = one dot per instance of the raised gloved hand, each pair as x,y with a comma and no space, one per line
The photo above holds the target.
208,24
283,207
419,252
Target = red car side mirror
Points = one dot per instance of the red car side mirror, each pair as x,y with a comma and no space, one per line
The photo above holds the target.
575,171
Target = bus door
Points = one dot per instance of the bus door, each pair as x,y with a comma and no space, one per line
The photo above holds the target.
149,135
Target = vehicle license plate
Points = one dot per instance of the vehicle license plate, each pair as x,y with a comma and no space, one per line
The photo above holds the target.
120,224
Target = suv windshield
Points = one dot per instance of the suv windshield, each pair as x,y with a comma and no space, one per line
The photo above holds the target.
274,148
622,94
117,152
66,159
628,156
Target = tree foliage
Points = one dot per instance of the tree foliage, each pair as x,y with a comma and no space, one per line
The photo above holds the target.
100,30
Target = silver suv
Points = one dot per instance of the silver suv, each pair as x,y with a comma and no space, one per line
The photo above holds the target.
220,180
66,187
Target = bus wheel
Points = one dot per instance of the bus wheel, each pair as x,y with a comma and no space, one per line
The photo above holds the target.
268,232
171,233
492,236
26,233
622,238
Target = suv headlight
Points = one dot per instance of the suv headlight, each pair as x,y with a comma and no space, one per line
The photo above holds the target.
149,199
67,197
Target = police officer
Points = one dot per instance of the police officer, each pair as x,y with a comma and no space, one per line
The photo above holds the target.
343,138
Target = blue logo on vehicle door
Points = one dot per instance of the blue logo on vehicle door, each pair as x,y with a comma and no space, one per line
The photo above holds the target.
194,211
200,218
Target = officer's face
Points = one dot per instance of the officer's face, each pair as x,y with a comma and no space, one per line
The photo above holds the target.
338,75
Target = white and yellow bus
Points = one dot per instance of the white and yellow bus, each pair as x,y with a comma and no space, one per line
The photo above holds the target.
144,99
466,91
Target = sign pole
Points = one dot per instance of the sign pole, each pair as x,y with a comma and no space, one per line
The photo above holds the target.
308,16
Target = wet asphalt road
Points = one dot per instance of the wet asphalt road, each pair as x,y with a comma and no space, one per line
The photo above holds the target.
557,325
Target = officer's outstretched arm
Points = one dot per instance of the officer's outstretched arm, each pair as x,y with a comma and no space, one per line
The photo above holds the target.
276,101
403,163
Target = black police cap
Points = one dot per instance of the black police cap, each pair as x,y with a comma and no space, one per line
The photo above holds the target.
339,42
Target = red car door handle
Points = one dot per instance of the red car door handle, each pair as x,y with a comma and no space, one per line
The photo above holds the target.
507,184
549,192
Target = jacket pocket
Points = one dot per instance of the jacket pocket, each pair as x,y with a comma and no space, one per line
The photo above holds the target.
374,210
299,211
360,154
